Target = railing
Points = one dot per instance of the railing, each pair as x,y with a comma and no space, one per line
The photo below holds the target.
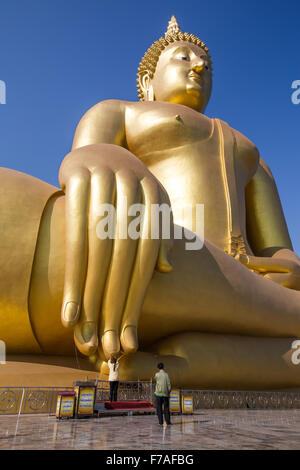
28,400
127,390
230,399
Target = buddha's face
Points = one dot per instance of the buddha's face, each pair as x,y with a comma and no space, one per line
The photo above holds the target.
183,76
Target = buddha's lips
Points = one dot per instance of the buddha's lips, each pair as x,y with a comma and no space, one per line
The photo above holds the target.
195,76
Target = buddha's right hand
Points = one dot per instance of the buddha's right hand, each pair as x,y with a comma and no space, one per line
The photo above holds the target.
106,279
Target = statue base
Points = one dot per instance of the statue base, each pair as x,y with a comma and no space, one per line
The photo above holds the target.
45,371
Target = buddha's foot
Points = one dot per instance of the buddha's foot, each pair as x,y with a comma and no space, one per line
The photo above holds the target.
85,337
217,361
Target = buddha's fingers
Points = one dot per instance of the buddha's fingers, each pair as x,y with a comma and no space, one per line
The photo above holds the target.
292,281
163,264
124,253
265,265
144,266
102,198
77,189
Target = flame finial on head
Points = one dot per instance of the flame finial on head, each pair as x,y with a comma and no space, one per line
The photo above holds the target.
173,27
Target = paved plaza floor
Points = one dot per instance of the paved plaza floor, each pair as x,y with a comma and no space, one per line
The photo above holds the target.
208,429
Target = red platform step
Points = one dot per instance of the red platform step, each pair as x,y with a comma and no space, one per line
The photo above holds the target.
128,405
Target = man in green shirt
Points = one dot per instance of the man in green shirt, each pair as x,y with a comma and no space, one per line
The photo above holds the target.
162,392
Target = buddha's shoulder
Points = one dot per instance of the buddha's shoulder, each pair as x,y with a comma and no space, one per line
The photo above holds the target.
245,150
107,112
108,106
245,147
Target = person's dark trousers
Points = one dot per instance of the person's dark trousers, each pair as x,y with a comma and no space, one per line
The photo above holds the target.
113,390
160,401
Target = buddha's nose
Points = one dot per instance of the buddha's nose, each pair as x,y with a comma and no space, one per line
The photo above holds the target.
199,66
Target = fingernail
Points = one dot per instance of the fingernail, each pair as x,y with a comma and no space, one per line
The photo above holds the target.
129,339
85,338
88,330
71,312
110,343
164,267
242,258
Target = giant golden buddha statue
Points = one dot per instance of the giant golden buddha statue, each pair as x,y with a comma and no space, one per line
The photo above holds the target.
224,316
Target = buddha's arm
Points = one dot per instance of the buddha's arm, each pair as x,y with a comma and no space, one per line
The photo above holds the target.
103,123
102,274
267,231
266,226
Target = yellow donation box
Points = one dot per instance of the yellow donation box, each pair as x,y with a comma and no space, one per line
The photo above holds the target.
85,398
187,404
175,401
65,405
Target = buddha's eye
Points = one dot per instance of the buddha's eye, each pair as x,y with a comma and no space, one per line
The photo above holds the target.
183,57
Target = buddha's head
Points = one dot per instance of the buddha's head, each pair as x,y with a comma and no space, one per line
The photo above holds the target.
177,69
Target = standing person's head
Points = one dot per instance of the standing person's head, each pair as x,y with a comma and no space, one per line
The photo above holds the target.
113,359
160,366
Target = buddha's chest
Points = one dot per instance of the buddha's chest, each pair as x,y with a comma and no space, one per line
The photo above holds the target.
159,127
197,160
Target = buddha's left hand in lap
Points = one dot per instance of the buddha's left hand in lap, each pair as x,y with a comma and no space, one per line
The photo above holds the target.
283,267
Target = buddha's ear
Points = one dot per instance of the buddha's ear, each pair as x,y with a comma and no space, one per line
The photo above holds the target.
146,86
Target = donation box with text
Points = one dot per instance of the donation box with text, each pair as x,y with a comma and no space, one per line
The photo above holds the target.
65,405
174,401
187,405
85,398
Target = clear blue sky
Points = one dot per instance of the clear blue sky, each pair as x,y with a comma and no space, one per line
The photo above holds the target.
60,57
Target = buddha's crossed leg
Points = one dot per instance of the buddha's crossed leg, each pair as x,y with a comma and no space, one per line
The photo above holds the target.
216,361
216,324
208,291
